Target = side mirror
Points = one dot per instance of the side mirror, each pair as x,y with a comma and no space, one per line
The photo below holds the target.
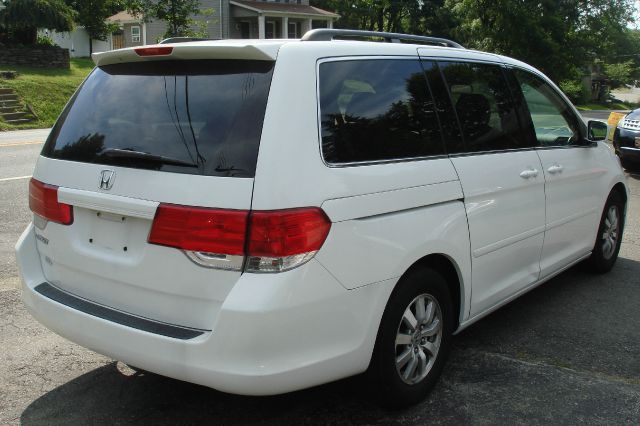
597,130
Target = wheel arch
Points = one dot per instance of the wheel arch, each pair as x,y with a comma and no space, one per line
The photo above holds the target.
451,272
621,189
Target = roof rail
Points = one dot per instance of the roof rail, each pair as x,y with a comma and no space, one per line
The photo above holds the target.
325,34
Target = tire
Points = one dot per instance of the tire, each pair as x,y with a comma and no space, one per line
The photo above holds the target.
389,375
628,166
608,239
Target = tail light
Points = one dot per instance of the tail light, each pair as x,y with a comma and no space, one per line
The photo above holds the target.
271,241
210,237
280,240
43,201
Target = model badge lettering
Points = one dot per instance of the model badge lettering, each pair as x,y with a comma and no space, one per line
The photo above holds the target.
107,177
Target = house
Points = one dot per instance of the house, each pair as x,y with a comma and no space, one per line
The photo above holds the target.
231,19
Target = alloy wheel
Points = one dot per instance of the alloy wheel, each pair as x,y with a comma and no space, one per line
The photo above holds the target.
418,339
610,233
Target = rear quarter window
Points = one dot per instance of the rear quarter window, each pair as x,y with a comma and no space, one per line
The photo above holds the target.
376,110
207,115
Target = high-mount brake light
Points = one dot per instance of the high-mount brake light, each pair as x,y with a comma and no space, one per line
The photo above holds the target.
43,201
154,51
271,241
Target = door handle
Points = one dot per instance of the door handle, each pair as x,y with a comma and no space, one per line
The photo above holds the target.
529,173
554,169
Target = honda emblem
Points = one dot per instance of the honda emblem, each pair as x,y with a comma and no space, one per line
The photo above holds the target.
107,177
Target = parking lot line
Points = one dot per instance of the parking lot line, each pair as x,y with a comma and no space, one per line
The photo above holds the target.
14,178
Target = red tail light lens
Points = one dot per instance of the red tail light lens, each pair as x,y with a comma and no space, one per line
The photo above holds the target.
200,229
154,51
43,201
277,240
283,233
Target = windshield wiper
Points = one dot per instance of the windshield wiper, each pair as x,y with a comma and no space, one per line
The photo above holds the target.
146,156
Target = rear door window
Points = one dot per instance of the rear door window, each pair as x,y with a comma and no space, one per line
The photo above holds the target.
199,117
376,110
484,107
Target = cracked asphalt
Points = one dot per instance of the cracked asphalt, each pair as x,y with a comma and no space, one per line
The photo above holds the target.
565,353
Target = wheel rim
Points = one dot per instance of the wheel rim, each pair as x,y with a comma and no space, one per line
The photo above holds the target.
418,339
610,232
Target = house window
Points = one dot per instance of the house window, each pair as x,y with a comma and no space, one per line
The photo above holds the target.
135,34
270,29
293,30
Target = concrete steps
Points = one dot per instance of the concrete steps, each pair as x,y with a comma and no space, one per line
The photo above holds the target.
9,97
19,121
4,104
13,115
11,110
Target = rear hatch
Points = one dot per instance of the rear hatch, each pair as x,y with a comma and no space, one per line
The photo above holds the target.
170,134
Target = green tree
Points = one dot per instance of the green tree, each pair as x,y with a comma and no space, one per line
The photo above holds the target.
619,74
177,13
561,37
92,15
20,19
428,17
557,36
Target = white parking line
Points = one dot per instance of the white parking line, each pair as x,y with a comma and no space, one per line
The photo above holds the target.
14,178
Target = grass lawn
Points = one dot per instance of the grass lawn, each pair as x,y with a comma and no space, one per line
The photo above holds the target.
46,90
612,105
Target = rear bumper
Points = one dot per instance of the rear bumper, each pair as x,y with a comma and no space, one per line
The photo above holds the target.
275,333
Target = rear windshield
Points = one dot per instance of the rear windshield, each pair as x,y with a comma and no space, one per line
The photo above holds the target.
198,117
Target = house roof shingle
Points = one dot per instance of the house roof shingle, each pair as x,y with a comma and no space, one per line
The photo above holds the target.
300,9
124,17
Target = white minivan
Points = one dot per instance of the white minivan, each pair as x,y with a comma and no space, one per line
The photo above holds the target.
262,216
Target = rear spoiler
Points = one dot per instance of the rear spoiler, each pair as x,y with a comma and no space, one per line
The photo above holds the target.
226,49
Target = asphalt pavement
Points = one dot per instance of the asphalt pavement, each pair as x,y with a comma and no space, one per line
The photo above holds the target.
565,353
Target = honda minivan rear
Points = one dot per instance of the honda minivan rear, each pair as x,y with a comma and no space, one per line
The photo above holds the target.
145,245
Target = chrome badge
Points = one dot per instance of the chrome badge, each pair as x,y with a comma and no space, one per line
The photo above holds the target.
107,177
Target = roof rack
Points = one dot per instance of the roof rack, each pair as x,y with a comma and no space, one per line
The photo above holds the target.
324,34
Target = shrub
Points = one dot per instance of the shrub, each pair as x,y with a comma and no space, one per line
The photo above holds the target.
575,90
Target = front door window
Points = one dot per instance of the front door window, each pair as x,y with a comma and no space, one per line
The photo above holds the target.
553,121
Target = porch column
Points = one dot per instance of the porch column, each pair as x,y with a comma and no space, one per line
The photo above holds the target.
330,23
144,33
285,27
261,26
308,25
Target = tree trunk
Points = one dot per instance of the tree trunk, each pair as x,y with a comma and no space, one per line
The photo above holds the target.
90,45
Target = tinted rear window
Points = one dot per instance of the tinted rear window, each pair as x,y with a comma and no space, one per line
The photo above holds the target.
377,110
206,113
